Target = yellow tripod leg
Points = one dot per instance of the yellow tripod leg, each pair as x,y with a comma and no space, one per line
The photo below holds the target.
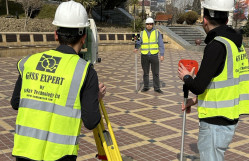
105,141
101,152
113,148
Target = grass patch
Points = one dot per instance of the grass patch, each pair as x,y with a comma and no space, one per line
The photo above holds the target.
47,11
14,8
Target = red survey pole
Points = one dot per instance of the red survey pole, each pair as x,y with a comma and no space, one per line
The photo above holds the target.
189,64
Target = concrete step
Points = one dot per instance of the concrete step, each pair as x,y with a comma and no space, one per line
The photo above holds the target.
180,29
172,28
186,36
187,32
191,36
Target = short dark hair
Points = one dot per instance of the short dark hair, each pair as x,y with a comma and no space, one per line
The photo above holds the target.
219,17
69,36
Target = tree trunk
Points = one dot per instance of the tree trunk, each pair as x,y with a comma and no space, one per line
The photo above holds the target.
143,10
7,8
134,17
25,24
90,12
26,20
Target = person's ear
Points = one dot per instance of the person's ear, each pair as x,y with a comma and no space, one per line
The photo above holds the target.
205,21
83,39
56,36
227,21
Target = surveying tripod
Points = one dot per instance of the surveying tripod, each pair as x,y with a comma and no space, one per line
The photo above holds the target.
105,140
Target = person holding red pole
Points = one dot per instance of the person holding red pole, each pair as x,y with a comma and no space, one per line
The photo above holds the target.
221,84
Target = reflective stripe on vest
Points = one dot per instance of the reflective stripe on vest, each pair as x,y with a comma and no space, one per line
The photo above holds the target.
21,64
227,94
223,104
51,125
45,135
50,107
150,44
230,82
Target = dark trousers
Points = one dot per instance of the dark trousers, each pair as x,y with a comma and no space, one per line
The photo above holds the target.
147,61
66,158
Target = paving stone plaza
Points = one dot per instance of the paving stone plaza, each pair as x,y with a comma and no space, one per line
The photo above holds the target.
147,126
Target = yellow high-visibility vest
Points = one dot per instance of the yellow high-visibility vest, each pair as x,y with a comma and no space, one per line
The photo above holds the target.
49,116
150,44
227,95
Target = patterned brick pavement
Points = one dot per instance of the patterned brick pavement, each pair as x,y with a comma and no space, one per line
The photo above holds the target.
147,125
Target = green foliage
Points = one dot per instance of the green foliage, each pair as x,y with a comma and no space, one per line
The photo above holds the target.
88,3
139,25
47,11
191,17
181,18
14,8
141,14
132,2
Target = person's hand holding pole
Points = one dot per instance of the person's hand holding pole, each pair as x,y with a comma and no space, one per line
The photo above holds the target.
102,91
182,71
161,58
190,102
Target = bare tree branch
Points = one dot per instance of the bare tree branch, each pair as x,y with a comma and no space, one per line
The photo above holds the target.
7,7
29,6
88,4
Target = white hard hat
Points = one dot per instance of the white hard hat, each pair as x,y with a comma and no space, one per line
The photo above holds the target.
71,15
149,20
218,5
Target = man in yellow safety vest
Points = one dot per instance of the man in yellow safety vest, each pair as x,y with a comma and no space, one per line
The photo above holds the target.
151,44
55,91
222,83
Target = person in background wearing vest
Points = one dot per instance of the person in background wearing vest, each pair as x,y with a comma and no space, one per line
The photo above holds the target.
55,91
151,44
221,84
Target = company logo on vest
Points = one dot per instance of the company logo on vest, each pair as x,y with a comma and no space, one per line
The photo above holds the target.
48,63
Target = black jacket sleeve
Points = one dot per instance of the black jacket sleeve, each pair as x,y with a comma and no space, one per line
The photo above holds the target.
90,113
16,94
211,66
